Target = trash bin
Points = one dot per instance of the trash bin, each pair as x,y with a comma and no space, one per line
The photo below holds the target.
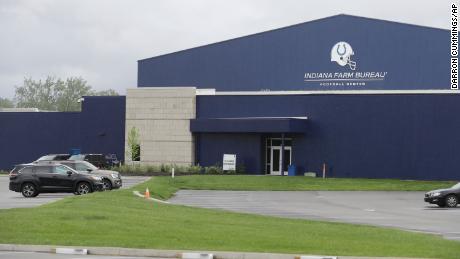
75,151
291,170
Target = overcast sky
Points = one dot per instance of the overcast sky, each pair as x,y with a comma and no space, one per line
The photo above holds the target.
101,40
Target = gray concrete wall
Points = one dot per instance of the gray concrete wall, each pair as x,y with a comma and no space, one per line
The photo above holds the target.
162,117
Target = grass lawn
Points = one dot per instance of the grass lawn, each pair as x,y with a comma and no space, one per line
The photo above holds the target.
119,219
164,187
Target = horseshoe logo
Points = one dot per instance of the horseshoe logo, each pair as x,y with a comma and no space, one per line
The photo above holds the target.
344,50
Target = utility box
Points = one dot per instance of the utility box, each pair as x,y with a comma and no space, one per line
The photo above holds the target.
292,170
75,151
310,174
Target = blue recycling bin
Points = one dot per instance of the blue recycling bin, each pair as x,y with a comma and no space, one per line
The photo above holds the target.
291,170
75,151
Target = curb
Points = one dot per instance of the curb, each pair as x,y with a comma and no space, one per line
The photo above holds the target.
117,251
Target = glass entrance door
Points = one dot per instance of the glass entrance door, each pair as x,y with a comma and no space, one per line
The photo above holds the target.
275,158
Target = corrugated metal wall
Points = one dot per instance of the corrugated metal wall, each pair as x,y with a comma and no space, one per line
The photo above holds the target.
374,136
99,128
414,57
25,136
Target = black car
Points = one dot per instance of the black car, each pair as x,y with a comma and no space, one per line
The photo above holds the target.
32,179
96,159
444,197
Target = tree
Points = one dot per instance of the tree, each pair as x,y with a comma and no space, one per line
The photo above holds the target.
6,103
109,92
37,94
69,92
55,94
134,149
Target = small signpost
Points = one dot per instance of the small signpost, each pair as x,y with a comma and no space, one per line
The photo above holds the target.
229,163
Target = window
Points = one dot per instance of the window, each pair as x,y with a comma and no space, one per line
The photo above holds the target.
71,165
42,170
277,142
60,169
77,157
98,158
62,157
82,167
136,153
47,157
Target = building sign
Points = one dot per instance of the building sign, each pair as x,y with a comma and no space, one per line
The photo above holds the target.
229,163
342,53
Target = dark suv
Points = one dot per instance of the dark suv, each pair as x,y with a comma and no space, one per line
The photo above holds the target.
32,179
110,179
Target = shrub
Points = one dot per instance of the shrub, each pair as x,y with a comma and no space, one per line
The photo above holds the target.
194,169
137,169
240,169
213,170
182,169
165,169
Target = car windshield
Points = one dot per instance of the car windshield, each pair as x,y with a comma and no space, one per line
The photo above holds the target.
77,157
457,186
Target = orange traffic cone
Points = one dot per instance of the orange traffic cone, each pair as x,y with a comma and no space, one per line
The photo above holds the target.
147,193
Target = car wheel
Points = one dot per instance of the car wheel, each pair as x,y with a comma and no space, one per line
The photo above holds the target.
451,201
83,188
106,184
29,190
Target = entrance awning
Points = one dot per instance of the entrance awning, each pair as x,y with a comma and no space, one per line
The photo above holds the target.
249,125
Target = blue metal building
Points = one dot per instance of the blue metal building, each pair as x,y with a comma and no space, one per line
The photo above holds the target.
365,97
359,97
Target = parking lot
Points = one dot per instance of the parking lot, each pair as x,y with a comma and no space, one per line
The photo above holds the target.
9,199
404,210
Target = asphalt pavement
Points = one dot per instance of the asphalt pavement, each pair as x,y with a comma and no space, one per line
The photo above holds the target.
403,210
10,199
28,255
